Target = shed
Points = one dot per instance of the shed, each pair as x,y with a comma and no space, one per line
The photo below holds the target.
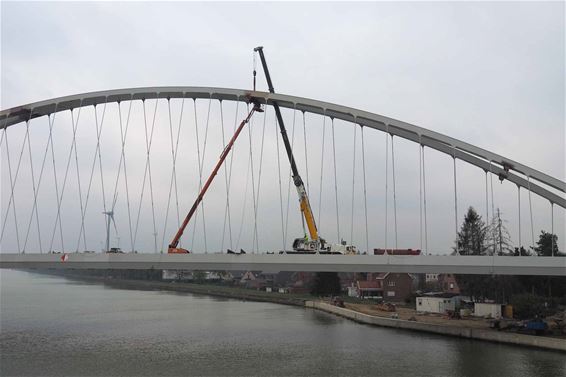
487,310
435,304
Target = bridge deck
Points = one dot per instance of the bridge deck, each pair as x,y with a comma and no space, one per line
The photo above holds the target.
273,263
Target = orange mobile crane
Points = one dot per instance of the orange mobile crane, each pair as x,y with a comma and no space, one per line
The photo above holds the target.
173,246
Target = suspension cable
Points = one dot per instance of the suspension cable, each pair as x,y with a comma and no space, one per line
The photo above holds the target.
335,181
227,217
12,197
486,199
58,202
365,194
306,148
289,178
353,189
424,202
147,170
490,221
34,193
79,182
253,185
14,180
174,149
35,206
96,151
531,212
154,223
227,211
455,200
519,207
245,202
232,157
280,188
394,190
259,179
492,205
321,168
420,193
123,136
552,244
386,182
27,137
201,167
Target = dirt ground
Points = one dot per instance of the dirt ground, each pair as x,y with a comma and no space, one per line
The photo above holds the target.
438,319
406,313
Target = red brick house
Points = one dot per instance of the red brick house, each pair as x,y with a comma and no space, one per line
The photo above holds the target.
371,288
390,286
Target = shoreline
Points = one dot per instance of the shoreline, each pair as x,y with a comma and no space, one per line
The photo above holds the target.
493,336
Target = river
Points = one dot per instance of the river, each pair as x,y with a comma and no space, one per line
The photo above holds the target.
51,326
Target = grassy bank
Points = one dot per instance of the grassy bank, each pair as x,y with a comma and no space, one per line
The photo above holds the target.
196,288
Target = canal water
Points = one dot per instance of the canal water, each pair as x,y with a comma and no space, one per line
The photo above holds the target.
51,326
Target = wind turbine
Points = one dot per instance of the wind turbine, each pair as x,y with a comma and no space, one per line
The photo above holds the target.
110,215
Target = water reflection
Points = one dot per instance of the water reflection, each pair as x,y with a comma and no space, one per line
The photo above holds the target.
52,326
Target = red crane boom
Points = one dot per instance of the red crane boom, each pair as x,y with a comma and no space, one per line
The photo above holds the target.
173,249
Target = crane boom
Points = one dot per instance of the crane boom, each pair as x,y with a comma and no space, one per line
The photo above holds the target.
297,180
173,249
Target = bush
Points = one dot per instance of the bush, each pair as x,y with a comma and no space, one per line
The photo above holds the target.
411,299
527,306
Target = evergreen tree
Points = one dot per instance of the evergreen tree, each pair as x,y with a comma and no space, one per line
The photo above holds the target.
326,283
547,245
472,235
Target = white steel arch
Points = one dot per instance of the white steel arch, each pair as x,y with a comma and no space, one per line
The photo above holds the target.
486,160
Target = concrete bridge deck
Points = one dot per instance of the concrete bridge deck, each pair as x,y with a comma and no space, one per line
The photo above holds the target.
500,265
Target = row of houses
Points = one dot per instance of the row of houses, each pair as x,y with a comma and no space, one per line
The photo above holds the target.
294,282
395,287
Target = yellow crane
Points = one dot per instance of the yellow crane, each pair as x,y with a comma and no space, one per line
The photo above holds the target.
304,245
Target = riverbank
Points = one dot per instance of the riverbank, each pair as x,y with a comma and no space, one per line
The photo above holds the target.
352,312
203,289
555,344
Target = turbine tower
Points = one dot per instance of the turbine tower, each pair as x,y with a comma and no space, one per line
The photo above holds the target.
110,215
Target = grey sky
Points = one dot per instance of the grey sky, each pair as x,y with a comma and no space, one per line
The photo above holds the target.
491,74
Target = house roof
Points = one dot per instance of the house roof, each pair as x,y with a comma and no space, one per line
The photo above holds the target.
373,284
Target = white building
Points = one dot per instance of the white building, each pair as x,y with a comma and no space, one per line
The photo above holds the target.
177,275
435,304
487,310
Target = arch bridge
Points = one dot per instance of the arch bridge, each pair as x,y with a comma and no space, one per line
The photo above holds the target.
156,138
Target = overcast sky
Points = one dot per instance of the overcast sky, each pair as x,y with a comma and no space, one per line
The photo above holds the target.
490,74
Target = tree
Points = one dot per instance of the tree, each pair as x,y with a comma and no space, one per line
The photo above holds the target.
326,283
472,235
547,245
521,252
199,276
499,240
